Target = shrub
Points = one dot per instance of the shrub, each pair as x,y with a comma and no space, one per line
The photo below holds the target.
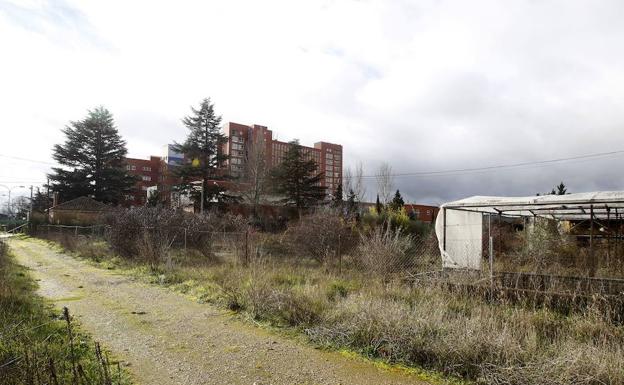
396,220
145,232
385,251
150,232
292,306
322,235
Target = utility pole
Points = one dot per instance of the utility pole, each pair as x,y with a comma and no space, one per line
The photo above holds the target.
31,205
48,194
201,204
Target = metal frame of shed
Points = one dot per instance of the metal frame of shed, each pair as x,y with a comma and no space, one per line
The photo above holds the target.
595,207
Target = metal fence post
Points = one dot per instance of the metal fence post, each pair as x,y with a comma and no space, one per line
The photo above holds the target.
246,246
608,236
591,241
491,260
339,255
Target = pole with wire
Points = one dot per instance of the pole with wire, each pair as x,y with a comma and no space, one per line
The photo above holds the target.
30,207
9,189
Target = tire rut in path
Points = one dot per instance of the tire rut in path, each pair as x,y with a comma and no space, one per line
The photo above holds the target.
166,338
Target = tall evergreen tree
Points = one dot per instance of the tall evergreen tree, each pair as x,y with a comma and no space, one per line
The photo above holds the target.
92,160
561,189
338,196
397,202
351,202
204,158
41,202
297,179
378,205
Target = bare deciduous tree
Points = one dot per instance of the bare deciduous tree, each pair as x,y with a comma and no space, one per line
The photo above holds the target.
358,182
355,182
347,180
256,172
385,182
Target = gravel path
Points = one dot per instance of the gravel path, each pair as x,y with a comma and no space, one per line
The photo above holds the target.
166,338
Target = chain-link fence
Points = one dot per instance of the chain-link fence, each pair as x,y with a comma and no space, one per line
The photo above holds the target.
383,251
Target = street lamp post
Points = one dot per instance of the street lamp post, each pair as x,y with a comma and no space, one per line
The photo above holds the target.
9,201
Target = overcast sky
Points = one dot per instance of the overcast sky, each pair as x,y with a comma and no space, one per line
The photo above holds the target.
423,85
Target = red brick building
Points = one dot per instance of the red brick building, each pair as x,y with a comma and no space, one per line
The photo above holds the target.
242,139
148,173
422,213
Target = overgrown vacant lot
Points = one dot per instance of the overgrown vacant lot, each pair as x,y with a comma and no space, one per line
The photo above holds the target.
37,344
380,317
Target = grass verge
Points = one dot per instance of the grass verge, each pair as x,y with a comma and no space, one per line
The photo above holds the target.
39,345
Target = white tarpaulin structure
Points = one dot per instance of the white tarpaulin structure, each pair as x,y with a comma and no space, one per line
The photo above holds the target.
459,225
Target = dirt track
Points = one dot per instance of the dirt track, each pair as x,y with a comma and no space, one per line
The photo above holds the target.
166,338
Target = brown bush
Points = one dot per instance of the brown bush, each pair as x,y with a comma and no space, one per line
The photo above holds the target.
385,251
150,232
323,236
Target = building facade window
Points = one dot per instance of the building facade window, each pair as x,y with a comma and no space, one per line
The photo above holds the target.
147,168
146,178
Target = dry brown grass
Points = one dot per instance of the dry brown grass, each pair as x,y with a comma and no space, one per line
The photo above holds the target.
427,325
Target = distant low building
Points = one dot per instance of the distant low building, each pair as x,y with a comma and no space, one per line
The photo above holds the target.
78,212
423,213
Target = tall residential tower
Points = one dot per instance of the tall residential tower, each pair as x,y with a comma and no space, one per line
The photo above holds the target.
243,139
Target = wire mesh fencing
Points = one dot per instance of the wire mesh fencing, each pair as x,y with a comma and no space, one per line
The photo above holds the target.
383,253
392,254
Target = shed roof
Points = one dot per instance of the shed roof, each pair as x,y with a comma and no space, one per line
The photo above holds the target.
81,204
577,206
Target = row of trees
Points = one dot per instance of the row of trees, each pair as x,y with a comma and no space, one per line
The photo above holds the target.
92,161
560,189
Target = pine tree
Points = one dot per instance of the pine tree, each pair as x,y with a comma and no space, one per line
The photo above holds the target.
378,205
297,180
397,202
92,160
561,189
338,196
41,202
351,202
204,158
